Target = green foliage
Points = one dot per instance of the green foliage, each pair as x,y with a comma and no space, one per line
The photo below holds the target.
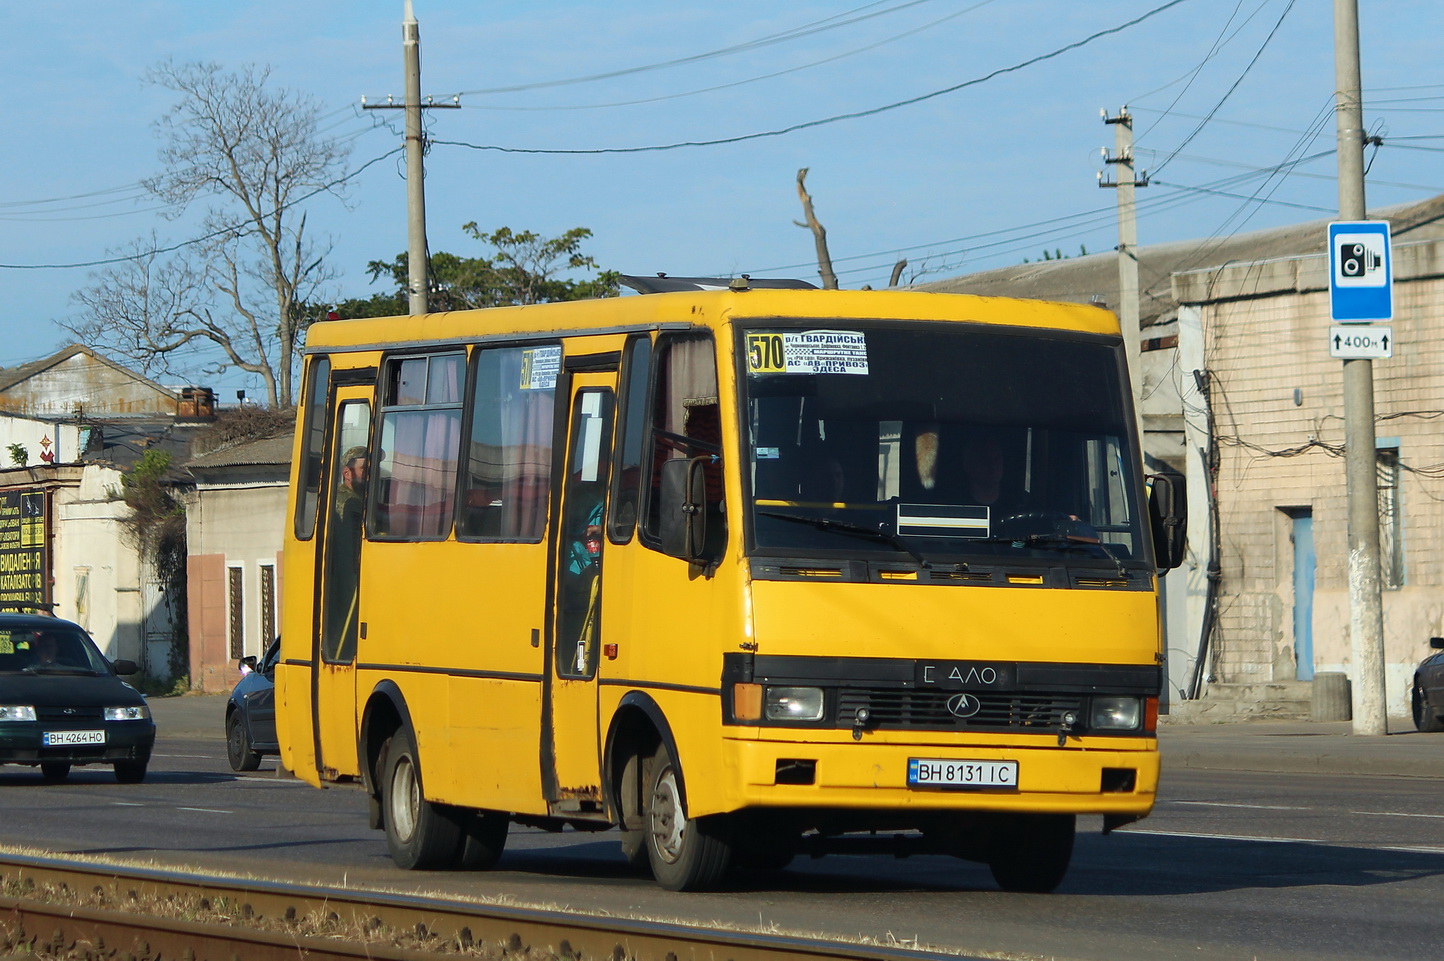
152,686
19,455
522,268
145,491
1057,254
157,524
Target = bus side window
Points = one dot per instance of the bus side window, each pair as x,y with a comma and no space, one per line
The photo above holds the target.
308,490
627,476
686,423
507,482
420,447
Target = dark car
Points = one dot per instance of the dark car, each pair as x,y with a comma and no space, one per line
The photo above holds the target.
62,703
251,712
1427,696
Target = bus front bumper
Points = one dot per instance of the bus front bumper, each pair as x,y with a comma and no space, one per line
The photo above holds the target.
1099,776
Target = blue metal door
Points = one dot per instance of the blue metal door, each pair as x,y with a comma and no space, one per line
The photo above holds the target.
1303,538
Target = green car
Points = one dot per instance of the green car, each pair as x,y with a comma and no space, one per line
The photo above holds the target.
62,703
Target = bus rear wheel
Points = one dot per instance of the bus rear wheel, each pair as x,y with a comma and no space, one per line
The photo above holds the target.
420,834
686,854
1030,853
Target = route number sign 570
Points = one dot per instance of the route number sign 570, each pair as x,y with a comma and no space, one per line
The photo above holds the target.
764,354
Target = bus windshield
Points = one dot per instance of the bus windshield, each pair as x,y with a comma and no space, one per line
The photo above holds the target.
939,441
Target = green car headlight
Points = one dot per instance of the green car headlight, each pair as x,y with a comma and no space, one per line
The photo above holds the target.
16,712
133,712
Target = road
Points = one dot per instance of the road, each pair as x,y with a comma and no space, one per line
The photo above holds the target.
1231,865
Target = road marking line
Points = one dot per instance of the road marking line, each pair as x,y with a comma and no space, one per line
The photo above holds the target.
127,804
207,810
1251,807
1404,849
1287,807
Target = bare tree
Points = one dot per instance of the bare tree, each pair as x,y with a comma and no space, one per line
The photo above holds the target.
819,235
254,155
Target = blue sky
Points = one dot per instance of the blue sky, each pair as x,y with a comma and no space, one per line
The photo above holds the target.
1221,91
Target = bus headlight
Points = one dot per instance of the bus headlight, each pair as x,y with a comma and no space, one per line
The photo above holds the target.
794,704
16,712
1115,714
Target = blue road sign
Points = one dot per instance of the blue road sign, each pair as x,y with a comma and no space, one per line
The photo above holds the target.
1361,272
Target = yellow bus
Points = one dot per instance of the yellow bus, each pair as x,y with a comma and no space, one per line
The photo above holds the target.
752,570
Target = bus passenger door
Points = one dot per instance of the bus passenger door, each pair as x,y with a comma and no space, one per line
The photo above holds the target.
571,739
338,578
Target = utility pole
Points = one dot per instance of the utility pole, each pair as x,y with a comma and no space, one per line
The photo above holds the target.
416,258
1366,613
1125,184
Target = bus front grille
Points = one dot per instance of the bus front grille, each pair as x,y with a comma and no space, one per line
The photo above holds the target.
905,708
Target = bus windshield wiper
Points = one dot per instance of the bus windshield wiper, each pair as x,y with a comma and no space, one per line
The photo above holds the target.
1058,542
843,527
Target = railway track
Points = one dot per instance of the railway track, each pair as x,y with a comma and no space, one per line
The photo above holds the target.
87,909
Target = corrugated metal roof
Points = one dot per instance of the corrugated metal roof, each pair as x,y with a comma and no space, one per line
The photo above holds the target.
264,451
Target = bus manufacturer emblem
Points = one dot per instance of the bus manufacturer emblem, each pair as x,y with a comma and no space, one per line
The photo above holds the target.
964,705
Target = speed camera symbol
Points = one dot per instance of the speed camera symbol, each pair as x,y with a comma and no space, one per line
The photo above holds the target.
1357,260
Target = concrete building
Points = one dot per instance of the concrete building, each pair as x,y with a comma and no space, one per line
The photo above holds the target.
1274,397
1239,392
70,425
235,518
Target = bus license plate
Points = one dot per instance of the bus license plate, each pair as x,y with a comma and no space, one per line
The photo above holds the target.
59,738
953,773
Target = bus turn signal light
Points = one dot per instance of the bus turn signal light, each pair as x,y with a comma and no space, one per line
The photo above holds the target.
747,702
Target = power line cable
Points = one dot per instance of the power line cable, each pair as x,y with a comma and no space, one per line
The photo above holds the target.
1228,93
854,115
1068,225
231,229
1218,44
816,26
741,83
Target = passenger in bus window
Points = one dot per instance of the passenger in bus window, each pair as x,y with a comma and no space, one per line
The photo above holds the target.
344,555
351,495
579,607
984,465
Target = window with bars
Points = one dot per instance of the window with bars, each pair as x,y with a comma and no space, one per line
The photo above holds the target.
268,605
1391,521
235,597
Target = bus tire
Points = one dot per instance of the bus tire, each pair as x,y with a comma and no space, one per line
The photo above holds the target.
483,840
420,834
1030,852
686,854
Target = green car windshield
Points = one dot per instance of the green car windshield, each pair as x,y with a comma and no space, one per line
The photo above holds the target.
940,441
45,651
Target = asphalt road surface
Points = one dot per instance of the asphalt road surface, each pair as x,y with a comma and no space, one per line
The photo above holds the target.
1230,865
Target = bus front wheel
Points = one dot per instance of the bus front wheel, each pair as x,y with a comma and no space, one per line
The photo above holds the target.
686,854
420,834
1030,852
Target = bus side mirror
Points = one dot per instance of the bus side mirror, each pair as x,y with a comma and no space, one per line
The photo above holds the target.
1168,517
684,508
